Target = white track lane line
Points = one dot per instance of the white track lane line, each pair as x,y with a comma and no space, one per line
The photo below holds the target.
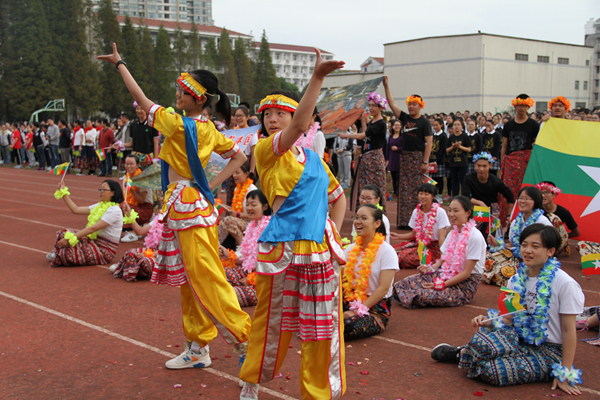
34,222
36,204
43,184
46,193
41,251
402,343
135,342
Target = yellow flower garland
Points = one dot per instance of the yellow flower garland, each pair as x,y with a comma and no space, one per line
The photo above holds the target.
359,292
60,193
240,193
96,215
70,236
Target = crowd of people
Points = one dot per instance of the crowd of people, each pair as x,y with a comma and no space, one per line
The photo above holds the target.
274,241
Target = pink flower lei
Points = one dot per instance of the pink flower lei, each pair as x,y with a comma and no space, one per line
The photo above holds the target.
425,235
307,139
250,243
454,259
152,239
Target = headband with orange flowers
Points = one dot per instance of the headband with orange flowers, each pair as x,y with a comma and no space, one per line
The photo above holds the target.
518,102
560,99
415,99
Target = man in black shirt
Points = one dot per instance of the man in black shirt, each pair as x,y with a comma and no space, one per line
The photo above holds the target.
549,193
64,142
144,139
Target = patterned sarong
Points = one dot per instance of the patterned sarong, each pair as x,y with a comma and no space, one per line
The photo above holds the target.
134,265
409,180
87,252
246,294
371,171
369,325
512,174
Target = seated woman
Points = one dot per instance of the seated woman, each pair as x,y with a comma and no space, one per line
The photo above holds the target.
503,259
536,345
558,215
97,243
370,194
138,199
138,263
453,280
242,275
235,224
368,276
429,223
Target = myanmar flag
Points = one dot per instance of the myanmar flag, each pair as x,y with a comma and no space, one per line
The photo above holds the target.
427,179
219,206
424,254
590,264
495,224
481,214
100,154
60,169
566,152
509,301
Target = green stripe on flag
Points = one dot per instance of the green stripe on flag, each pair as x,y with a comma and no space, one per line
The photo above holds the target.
562,169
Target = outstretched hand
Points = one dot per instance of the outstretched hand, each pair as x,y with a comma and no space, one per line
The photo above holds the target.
325,67
113,58
565,387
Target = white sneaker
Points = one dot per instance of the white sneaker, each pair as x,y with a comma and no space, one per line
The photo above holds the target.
249,391
439,199
17,166
129,237
113,267
190,359
50,256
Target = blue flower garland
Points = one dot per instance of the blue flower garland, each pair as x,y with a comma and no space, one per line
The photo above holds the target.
533,327
563,374
520,224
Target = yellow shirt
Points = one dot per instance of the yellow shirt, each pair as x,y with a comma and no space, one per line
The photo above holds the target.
173,150
280,171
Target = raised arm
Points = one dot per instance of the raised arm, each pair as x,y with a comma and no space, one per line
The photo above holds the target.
306,107
131,84
391,102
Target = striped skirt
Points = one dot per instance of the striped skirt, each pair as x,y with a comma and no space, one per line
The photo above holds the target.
369,325
134,265
246,295
87,252
502,358
371,170
409,292
168,267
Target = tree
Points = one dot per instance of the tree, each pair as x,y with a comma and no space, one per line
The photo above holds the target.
165,76
228,80
285,85
132,54
180,51
147,52
115,97
265,78
211,56
195,47
244,71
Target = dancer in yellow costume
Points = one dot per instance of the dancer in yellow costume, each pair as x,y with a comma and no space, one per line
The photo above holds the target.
299,252
188,255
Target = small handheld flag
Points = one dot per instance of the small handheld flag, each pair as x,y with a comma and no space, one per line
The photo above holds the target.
481,214
219,206
495,225
509,301
76,153
100,154
590,264
424,254
60,169
429,180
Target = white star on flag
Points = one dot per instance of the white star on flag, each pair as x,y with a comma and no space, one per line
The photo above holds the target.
425,251
594,205
509,297
480,214
597,264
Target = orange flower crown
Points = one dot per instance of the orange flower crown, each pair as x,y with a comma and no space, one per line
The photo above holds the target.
561,99
415,99
517,102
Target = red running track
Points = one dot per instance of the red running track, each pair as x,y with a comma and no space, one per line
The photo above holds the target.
72,333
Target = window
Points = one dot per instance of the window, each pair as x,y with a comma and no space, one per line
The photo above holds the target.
587,63
581,104
167,9
543,59
141,7
151,15
277,56
151,7
585,85
597,82
541,106
521,57
598,69
167,16
311,70
562,60
278,68
295,70
596,96
295,56
576,85
598,55
181,8
312,58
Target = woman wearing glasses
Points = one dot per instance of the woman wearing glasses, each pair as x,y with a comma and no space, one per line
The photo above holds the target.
368,276
97,243
503,259
371,194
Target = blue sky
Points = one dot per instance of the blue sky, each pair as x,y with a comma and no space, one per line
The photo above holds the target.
354,30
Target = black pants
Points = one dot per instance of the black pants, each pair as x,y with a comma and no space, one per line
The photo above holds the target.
458,176
440,184
395,181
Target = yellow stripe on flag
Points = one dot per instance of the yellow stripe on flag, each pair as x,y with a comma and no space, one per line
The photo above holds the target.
557,134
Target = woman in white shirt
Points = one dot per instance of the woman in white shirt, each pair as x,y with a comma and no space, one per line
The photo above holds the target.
538,343
453,280
502,265
238,219
370,194
368,276
97,243
429,223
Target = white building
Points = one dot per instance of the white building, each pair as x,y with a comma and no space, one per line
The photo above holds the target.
592,38
372,64
199,12
294,63
483,72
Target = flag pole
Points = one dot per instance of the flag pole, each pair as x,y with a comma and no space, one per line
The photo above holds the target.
503,315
